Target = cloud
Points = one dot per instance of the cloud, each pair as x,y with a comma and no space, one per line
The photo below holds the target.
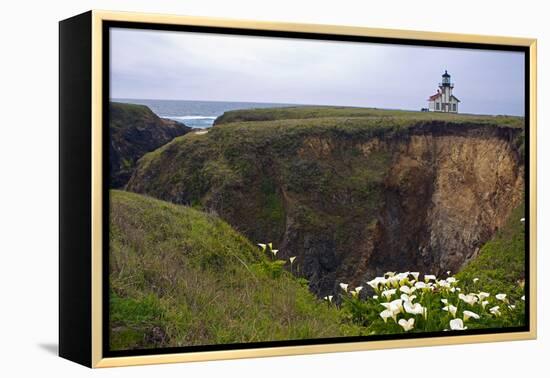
197,66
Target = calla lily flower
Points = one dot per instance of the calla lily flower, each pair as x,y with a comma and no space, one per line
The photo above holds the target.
328,298
375,297
415,309
292,259
483,295
484,303
388,293
374,283
469,299
407,290
495,310
457,325
501,297
523,297
408,298
389,274
522,220
469,314
406,324
451,309
475,279
262,246
445,300
270,245
448,272
429,277
415,275
395,306
274,251
451,280
387,314
420,285
344,286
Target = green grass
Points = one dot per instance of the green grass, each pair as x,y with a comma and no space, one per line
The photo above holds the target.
500,265
182,277
317,112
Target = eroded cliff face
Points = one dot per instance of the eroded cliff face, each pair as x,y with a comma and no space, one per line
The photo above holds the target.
349,208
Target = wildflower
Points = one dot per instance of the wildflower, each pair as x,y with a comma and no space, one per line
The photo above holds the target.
457,325
475,279
469,314
495,310
406,324
420,285
415,309
388,293
374,283
451,280
501,297
451,309
444,300
387,314
407,290
358,289
274,251
429,277
395,306
408,298
484,303
483,295
292,259
262,246
415,275
344,286
469,299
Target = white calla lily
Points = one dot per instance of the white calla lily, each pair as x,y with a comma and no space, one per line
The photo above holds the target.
495,310
406,324
470,299
344,286
429,277
415,308
388,293
291,259
501,297
469,314
457,325
451,309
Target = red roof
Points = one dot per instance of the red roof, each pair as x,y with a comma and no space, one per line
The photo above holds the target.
433,97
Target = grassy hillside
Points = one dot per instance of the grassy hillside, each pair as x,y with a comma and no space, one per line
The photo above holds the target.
500,265
182,277
310,112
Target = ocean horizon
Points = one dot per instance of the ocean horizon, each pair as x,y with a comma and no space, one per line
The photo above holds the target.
197,114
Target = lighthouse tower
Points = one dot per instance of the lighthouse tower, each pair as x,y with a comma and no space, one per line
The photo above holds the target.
444,100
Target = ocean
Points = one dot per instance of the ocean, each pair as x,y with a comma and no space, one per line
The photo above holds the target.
196,114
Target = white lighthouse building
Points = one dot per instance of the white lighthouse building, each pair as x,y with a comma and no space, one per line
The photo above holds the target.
444,100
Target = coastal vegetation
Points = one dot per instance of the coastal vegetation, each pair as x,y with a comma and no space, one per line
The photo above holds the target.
318,222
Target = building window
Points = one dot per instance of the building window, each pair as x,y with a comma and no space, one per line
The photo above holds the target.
454,107
437,106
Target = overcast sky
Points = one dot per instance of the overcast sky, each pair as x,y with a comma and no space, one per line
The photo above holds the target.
149,64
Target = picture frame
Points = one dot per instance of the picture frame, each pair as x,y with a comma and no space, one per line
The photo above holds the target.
84,101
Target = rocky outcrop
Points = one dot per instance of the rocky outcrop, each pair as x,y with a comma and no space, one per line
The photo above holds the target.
422,198
135,130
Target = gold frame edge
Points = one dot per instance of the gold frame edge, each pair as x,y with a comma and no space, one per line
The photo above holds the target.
98,361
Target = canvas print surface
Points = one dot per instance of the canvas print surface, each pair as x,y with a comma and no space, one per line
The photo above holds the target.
268,189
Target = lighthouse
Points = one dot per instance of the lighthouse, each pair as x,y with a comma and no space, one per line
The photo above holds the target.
444,100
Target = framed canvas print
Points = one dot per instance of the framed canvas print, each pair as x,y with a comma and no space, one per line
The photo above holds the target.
236,189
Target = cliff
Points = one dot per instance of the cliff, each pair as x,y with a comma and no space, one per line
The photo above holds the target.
134,131
351,192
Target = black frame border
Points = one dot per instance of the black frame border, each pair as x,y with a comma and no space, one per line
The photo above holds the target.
107,25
